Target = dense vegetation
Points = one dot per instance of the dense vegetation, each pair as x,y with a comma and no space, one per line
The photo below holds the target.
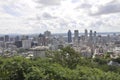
65,64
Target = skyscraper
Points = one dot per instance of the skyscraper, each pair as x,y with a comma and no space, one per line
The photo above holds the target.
95,37
25,37
48,37
76,35
91,35
6,38
69,36
41,40
47,34
95,33
86,34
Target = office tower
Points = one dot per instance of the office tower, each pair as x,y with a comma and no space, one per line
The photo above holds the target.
76,35
47,34
41,40
26,44
24,37
76,38
86,34
48,37
99,39
95,33
69,36
90,42
91,35
6,38
108,38
94,38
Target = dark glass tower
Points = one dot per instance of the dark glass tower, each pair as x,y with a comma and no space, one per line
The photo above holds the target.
69,36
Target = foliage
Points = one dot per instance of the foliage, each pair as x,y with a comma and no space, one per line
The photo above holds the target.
67,57
65,64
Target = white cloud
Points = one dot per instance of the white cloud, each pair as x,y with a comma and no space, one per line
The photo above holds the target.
35,16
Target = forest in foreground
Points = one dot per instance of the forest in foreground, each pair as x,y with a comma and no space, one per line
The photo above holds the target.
65,64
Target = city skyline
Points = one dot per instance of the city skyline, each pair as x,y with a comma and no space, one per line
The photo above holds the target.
58,16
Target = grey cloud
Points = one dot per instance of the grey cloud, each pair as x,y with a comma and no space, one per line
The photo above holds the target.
74,1
85,5
46,15
109,8
49,2
43,16
63,24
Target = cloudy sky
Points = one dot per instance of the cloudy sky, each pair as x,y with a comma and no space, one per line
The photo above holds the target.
58,16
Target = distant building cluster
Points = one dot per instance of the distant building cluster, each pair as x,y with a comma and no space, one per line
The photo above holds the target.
88,44
91,44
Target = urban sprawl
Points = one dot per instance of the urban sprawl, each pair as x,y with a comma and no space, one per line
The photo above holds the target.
89,44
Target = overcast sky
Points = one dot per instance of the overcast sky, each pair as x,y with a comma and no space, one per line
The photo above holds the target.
58,16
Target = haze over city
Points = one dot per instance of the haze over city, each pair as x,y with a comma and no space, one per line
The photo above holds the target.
58,16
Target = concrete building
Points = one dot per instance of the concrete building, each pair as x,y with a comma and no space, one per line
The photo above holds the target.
94,37
26,44
47,34
76,35
90,35
41,40
86,35
76,38
39,51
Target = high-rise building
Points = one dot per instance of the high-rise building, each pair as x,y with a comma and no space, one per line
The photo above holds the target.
41,40
69,36
6,38
90,42
76,35
26,44
47,34
48,38
76,38
94,37
86,34
95,33
91,35
25,37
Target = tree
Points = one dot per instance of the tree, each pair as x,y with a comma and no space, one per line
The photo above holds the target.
66,57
